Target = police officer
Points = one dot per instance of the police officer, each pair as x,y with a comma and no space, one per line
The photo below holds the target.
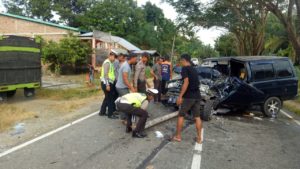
136,104
108,86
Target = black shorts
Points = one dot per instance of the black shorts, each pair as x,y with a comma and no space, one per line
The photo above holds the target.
193,105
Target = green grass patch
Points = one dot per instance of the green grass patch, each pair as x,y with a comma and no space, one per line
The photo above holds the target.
65,94
292,108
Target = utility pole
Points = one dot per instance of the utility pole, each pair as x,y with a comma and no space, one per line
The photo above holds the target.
172,54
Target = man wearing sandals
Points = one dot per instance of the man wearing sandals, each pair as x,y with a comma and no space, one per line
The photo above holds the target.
189,98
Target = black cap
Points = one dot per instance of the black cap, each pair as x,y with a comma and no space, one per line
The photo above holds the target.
186,57
145,54
131,55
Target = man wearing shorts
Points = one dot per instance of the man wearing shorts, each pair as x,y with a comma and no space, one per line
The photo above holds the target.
189,98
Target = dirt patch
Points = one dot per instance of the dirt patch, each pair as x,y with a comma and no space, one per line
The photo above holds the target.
10,115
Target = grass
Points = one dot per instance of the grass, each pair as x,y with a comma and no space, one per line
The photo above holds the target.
66,94
10,115
292,107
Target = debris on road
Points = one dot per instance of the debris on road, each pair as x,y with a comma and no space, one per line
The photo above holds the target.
159,134
18,129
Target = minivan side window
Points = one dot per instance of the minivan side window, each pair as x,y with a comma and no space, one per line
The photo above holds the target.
283,69
262,72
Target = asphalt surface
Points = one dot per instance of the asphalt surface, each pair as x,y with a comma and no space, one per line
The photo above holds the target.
230,142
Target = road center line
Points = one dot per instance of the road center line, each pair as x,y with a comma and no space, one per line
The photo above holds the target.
46,135
196,163
290,117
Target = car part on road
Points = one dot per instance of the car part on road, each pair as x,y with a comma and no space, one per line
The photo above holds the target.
272,107
208,110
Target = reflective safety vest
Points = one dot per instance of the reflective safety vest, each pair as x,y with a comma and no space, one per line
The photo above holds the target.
135,99
111,72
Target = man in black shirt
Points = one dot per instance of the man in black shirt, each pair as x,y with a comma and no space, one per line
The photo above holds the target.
189,98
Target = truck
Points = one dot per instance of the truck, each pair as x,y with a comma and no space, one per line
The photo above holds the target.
20,65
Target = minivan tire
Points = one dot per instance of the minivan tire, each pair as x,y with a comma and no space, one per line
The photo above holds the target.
206,114
272,107
29,92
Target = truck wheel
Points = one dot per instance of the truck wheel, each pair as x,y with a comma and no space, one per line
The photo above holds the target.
206,114
272,107
3,96
11,93
29,92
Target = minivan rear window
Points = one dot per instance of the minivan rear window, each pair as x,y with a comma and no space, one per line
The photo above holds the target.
283,69
262,72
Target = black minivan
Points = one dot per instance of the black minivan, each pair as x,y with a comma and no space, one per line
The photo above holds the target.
263,81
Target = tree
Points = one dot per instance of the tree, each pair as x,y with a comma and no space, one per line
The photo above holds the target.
69,51
71,11
40,9
226,45
284,10
242,18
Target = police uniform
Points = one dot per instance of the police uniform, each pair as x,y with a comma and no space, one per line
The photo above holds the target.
134,104
108,79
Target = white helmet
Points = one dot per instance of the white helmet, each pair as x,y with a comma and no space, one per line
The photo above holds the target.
152,91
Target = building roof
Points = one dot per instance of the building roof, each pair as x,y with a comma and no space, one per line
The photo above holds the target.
105,37
39,21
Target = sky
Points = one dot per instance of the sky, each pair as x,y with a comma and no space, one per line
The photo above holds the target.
207,36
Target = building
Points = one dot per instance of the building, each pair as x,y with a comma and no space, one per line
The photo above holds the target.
102,43
23,26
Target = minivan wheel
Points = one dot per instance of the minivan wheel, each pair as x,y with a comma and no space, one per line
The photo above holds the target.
207,112
272,107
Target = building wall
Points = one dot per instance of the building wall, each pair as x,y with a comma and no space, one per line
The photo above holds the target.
14,26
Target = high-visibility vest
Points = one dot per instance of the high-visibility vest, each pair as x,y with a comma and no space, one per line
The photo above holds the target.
135,99
111,72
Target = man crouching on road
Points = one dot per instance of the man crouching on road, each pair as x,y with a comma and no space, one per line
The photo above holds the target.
136,104
189,98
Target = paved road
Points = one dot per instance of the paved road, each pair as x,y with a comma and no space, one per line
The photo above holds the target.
230,142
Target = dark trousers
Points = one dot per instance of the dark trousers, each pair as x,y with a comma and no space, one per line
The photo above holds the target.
130,110
109,100
157,85
141,86
163,86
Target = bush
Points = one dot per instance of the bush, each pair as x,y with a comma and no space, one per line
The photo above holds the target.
69,51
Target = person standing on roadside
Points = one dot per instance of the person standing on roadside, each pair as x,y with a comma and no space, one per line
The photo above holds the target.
140,80
123,85
123,82
156,74
117,64
189,98
166,73
108,86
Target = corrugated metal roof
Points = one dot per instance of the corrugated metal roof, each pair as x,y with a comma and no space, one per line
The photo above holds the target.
39,21
113,39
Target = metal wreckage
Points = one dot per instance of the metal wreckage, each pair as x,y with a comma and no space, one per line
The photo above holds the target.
240,83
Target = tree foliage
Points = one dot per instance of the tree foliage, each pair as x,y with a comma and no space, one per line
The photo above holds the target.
68,51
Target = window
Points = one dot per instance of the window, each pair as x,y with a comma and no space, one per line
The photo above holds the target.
283,69
262,71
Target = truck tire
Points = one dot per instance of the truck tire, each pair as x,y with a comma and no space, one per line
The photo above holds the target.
29,92
206,114
272,106
11,93
3,97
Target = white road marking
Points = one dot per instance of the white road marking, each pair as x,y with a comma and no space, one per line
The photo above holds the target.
290,117
196,163
46,135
